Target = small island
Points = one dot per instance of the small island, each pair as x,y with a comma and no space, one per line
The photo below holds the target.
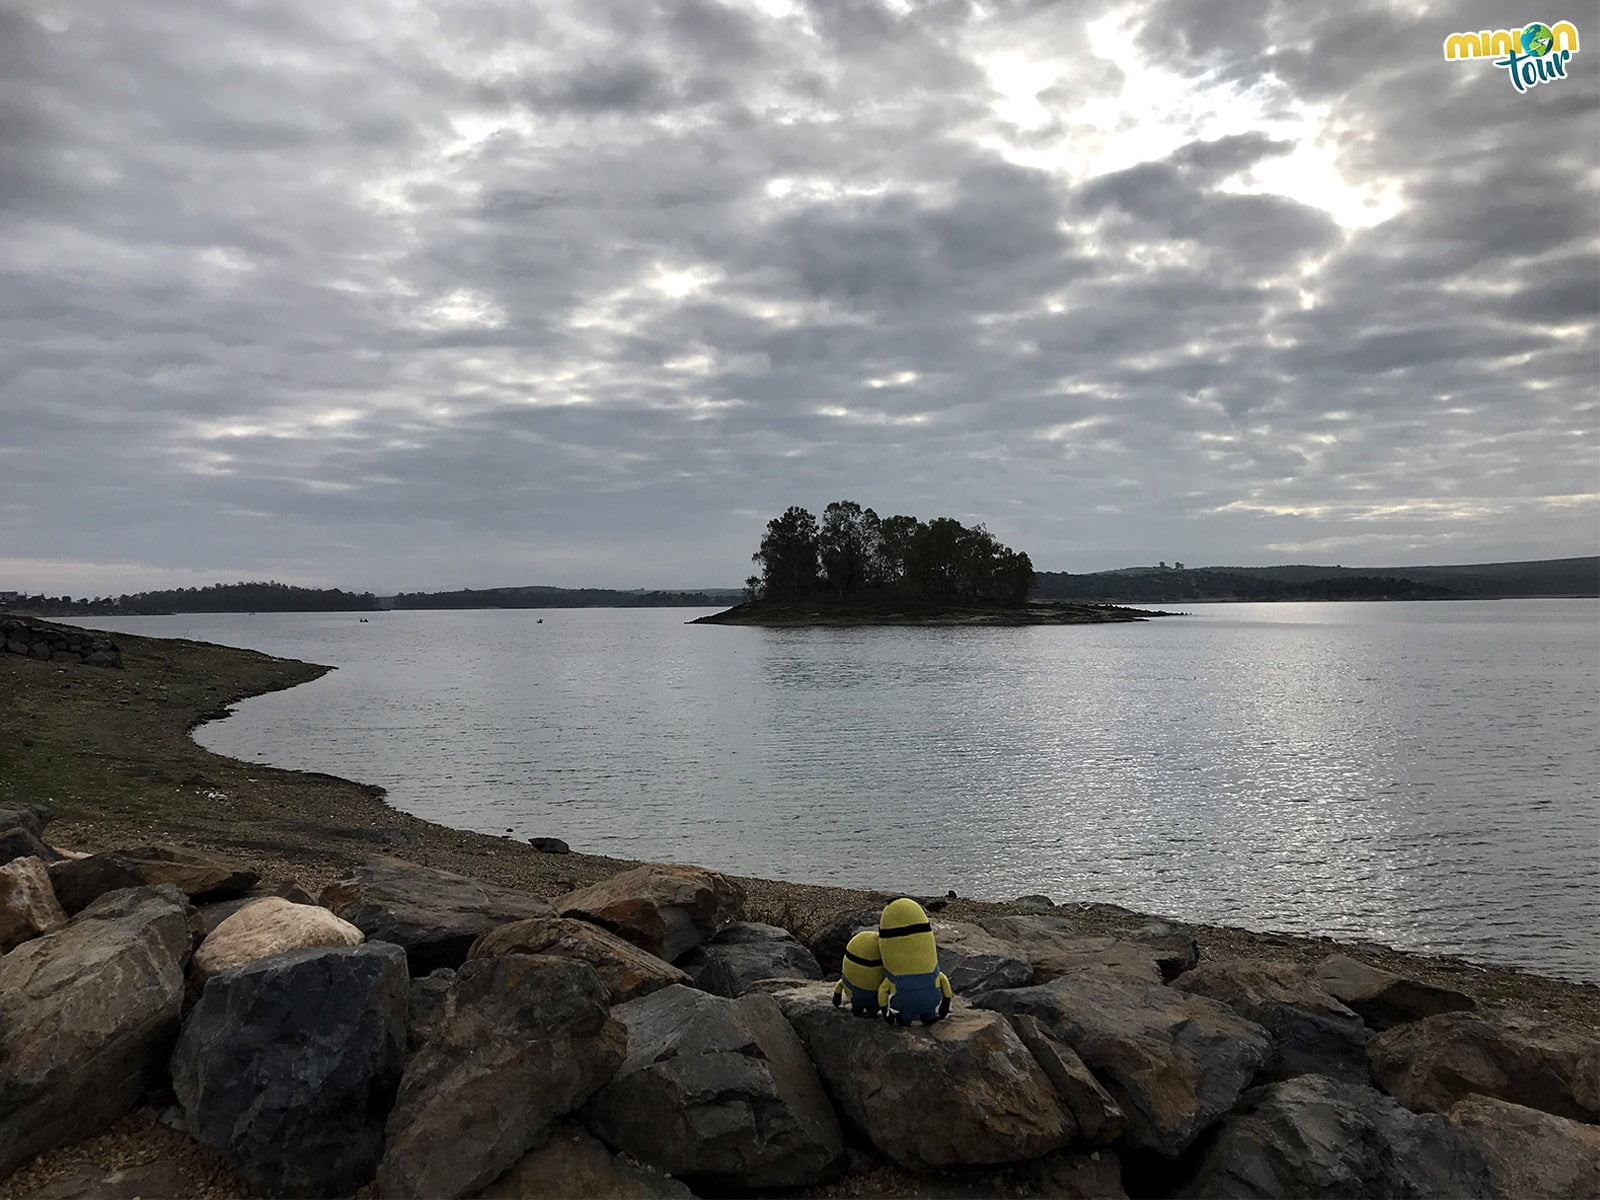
856,568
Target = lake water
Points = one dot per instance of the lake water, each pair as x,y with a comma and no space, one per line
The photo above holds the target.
1422,775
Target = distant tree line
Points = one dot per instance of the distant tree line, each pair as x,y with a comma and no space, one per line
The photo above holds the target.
1170,584
552,597
270,596
853,552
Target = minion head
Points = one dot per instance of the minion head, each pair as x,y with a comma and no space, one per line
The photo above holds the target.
905,939
863,966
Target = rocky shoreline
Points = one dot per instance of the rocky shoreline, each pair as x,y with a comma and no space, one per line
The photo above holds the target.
651,1002
416,1033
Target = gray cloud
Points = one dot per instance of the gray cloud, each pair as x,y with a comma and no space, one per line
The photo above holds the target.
582,294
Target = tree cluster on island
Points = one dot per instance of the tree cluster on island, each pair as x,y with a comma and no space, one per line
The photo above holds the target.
852,553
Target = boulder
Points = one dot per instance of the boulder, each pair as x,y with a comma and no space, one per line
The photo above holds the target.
666,909
718,1090
1312,1033
523,1040
977,961
827,943
1097,1117
745,953
626,971
266,927
28,905
1429,1065
435,915
425,1007
79,882
964,1090
287,1065
1532,1155
576,1163
1174,947
215,913
199,875
86,1016
549,845
1173,1062
1313,1136
18,842
32,817
1383,999
1053,949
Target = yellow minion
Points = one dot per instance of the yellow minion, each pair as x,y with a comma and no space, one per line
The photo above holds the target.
861,972
913,986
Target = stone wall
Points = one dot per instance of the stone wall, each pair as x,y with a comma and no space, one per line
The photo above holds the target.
58,643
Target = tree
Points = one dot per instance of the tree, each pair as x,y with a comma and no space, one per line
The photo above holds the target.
846,547
788,556
897,537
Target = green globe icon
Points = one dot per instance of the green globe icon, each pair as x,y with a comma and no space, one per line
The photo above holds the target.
1537,40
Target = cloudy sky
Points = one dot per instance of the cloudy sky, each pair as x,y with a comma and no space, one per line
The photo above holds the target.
387,294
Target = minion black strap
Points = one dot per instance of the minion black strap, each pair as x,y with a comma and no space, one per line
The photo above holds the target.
865,962
905,930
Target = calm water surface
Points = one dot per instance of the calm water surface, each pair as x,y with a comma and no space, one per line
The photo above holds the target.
1417,774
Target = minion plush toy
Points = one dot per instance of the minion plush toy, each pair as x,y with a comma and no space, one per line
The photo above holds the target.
913,986
861,973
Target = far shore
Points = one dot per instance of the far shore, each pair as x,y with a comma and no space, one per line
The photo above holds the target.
110,752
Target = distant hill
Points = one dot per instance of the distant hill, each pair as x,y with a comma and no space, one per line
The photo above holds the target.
554,597
1477,581
269,596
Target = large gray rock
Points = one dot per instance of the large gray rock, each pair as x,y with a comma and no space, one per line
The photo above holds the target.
1312,1136
664,908
523,1040
202,877
1097,1117
425,1007
18,842
746,953
1174,1063
435,915
1054,948
576,1163
32,817
1312,1033
28,904
962,1091
1532,1155
1429,1065
287,1065
79,882
1383,999
977,961
198,874
627,971
1174,946
718,1090
87,1014
828,941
